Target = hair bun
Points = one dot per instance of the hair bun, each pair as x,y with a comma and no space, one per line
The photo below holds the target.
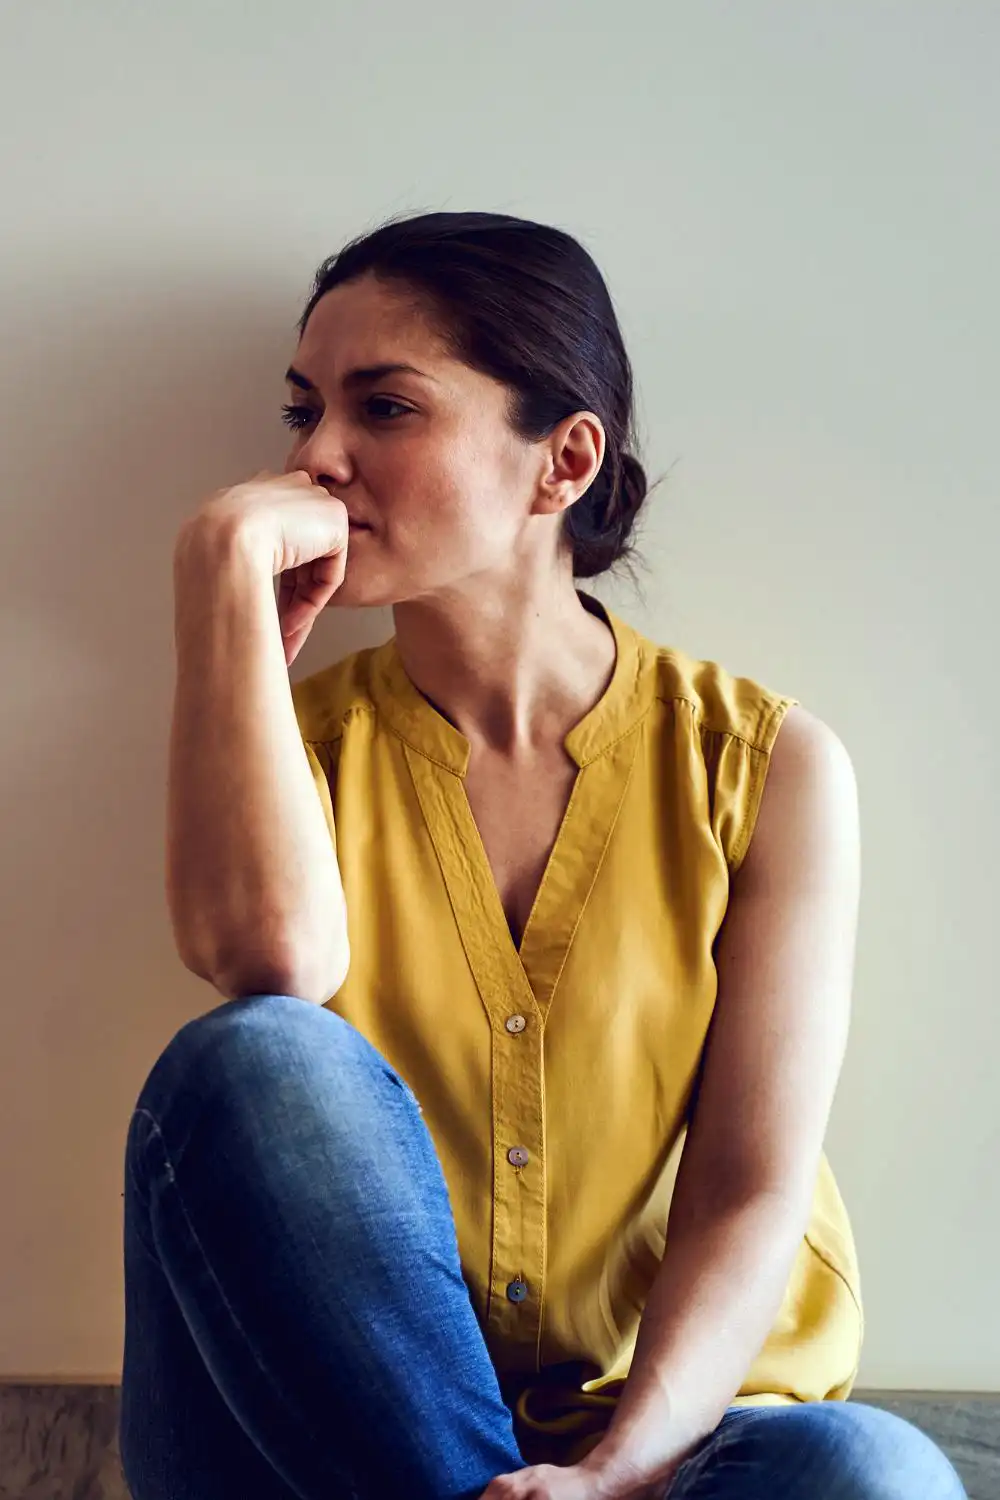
632,489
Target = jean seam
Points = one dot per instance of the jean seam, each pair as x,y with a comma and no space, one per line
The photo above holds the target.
295,1418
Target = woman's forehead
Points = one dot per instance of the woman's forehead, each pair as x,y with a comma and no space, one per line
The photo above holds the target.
368,322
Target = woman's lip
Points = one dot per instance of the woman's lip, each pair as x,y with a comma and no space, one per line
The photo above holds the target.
359,525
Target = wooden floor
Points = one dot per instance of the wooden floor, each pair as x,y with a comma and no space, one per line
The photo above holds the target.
59,1442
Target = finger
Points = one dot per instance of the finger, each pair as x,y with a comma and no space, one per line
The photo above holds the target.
294,641
306,599
326,570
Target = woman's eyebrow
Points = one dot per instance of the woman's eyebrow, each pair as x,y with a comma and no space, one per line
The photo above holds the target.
363,375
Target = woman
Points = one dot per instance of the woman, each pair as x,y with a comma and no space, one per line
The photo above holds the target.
563,900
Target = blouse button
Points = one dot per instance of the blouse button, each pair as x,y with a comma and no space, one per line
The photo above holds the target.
517,1290
517,1156
515,1023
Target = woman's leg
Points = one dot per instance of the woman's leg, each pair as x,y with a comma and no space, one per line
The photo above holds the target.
296,1319
822,1450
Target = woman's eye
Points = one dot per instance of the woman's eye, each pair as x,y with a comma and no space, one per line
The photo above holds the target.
376,407
297,416
382,408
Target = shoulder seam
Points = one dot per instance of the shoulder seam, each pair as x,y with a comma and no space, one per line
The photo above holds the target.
759,769
707,728
333,739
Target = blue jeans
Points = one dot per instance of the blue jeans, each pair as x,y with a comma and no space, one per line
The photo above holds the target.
296,1321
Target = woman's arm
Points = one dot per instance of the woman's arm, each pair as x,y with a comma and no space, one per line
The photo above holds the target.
744,1190
253,883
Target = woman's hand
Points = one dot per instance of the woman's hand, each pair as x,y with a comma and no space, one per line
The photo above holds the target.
598,1477
297,529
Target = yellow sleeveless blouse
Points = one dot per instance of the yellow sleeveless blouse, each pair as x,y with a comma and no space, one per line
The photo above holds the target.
555,1080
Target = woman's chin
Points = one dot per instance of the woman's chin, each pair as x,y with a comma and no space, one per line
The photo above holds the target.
358,593
371,584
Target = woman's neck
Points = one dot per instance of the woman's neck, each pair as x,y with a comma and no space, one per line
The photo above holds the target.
513,674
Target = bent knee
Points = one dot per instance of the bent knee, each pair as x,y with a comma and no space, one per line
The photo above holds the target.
240,1046
861,1452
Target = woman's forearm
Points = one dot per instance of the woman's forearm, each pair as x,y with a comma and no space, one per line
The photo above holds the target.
253,882
709,1311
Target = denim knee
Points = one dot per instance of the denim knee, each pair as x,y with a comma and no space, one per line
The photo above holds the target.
865,1453
234,1048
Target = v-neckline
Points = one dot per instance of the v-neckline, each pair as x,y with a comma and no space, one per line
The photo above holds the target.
603,750
473,830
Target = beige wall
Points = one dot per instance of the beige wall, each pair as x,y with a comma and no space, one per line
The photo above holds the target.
796,207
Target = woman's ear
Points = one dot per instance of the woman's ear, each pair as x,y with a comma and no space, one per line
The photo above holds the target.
574,454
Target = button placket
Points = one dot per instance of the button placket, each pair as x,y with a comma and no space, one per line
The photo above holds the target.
519,1216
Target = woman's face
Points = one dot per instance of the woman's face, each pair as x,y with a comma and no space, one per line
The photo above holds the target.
442,489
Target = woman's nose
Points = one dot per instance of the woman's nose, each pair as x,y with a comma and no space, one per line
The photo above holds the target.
324,454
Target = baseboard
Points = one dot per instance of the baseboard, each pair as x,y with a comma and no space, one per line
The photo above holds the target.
60,1435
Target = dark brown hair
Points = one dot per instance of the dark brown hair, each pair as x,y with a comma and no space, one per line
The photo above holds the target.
526,304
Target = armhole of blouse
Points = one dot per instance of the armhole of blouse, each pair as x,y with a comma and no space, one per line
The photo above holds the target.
318,756
759,756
